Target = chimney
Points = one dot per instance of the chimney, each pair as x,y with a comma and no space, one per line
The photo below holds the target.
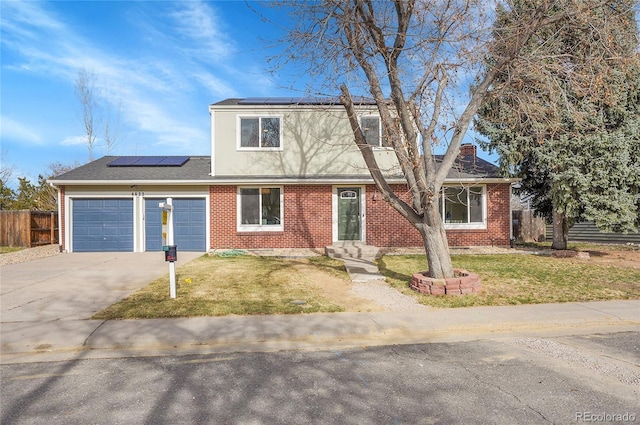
468,149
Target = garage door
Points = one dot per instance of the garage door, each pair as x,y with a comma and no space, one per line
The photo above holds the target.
189,224
102,225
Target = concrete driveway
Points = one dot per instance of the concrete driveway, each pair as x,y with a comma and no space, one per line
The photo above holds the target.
75,286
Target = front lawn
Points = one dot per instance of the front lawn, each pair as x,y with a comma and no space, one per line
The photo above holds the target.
249,285
9,249
243,285
522,279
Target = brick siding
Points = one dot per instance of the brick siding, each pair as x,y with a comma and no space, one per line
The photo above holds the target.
308,214
307,220
387,228
62,215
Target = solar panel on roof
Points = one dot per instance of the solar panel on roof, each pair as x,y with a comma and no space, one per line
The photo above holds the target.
148,161
253,101
318,100
173,161
281,100
359,100
287,101
124,161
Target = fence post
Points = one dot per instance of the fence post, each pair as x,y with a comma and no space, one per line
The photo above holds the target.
29,244
53,230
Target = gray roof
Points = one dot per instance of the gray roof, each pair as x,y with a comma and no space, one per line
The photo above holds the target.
470,166
283,101
197,168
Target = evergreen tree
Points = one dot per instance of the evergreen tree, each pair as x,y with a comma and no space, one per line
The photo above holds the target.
26,196
566,118
7,196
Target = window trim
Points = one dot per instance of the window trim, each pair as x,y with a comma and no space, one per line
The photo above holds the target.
239,119
460,226
380,144
258,227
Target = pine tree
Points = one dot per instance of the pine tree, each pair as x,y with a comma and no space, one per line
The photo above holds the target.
566,118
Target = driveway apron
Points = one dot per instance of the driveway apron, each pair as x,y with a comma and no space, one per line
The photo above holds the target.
74,286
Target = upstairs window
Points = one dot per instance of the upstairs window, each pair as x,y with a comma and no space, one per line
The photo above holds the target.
371,129
463,206
260,132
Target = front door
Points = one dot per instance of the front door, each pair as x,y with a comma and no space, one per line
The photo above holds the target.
349,217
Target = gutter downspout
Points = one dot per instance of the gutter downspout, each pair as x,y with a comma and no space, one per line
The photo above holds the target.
511,240
59,216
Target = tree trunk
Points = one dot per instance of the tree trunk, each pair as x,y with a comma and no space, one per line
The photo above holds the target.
560,230
435,243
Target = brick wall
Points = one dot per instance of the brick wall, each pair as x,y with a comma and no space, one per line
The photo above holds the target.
385,226
307,221
62,215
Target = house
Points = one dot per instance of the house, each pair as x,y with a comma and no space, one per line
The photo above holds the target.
283,173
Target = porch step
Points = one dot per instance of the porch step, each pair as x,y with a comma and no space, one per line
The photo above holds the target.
352,250
359,260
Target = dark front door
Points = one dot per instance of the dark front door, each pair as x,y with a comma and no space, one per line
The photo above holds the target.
349,222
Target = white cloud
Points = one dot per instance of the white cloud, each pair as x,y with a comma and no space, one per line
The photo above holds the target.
74,141
200,24
162,96
26,19
14,130
216,86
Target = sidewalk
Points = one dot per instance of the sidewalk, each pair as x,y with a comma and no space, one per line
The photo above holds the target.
81,339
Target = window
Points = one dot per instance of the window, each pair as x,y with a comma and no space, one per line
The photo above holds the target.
372,129
260,132
463,206
260,208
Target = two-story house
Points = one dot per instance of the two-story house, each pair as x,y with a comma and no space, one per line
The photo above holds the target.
283,173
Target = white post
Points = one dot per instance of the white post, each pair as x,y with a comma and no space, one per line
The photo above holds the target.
167,240
172,265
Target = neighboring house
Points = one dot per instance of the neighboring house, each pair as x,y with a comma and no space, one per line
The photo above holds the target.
283,173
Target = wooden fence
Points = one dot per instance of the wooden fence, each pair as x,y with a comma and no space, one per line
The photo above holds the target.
26,228
527,227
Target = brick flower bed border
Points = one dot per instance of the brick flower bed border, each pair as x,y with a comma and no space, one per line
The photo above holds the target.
463,283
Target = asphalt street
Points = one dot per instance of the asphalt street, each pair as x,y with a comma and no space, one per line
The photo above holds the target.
528,364
561,380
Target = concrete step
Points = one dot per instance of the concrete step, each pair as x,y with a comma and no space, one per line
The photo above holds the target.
359,260
352,250
362,270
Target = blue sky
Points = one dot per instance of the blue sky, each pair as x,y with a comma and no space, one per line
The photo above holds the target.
159,63
156,65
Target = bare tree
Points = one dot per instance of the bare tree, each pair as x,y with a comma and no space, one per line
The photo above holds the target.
112,130
93,114
86,92
7,195
422,62
47,195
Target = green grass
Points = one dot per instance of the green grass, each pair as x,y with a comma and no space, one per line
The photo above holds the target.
243,285
249,285
9,249
581,246
521,279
